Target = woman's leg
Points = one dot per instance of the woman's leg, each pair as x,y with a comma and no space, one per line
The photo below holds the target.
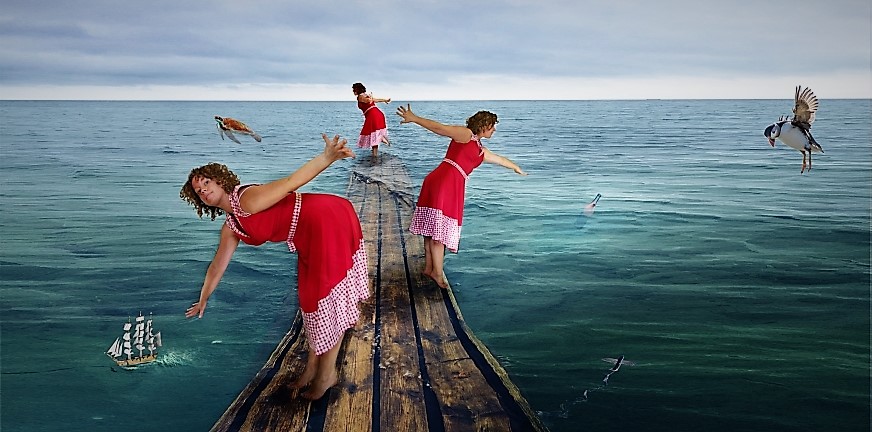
326,375
308,373
428,258
437,256
375,151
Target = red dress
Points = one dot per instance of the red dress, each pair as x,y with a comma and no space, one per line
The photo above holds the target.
332,275
439,211
374,126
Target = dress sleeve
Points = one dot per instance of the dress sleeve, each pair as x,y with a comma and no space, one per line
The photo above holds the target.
234,201
232,220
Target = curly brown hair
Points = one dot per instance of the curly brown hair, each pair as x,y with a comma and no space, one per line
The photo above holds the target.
358,88
216,172
481,121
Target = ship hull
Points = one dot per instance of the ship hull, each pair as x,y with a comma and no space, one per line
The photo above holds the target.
136,360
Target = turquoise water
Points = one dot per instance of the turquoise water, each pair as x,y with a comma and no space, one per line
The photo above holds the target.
738,287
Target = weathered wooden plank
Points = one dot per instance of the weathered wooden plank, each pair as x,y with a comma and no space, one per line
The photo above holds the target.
453,376
402,399
452,373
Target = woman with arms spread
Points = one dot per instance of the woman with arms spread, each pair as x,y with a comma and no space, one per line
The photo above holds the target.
439,212
324,231
375,130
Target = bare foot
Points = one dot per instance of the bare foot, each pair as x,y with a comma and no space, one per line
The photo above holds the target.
308,373
320,386
440,279
303,380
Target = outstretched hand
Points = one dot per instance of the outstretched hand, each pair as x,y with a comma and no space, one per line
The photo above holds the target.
335,148
405,112
196,309
520,171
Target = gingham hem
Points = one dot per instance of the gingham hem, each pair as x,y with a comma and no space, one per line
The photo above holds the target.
339,311
372,140
433,223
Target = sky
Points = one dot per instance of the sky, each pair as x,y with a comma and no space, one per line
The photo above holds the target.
434,49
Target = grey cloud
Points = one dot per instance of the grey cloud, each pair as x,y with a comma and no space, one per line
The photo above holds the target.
170,42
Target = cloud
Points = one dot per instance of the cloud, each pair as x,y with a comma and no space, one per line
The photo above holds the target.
263,44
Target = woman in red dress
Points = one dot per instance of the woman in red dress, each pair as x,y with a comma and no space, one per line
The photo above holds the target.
375,130
439,212
324,231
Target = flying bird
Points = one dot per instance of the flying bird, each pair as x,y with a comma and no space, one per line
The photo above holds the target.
796,131
227,125
616,366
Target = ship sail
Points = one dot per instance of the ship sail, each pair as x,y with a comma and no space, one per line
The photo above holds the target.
142,338
139,334
115,349
126,337
152,339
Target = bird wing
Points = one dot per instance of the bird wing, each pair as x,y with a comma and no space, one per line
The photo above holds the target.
805,103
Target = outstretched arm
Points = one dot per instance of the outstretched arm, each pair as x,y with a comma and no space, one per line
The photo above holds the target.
367,98
457,133
262,197
491,157
226,246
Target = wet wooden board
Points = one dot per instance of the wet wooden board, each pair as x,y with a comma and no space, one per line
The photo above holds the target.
410,364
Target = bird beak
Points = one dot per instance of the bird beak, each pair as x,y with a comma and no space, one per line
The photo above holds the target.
768,134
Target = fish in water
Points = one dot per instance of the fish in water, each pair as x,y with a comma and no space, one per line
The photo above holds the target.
227,126
796,131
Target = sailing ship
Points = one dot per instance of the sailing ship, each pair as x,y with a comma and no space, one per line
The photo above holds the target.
130,350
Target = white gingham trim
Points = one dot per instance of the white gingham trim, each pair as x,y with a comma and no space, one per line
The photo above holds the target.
229,220
371,140
432,222
298,201
338,311
456,165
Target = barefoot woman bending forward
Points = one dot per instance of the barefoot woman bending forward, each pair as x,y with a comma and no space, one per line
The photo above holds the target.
322,229
439,212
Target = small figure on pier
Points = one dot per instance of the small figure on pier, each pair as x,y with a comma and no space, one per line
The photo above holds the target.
375,129
324,231
439,212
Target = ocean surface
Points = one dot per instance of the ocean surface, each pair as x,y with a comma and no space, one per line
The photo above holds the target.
738,287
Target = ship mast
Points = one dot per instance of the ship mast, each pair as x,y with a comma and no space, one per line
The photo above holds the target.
153,340
139,334
126,338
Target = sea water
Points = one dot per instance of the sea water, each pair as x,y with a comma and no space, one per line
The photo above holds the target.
738,287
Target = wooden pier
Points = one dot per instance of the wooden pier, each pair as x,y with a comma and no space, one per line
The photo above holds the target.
411,363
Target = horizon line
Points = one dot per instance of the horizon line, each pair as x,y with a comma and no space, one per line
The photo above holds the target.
415,100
